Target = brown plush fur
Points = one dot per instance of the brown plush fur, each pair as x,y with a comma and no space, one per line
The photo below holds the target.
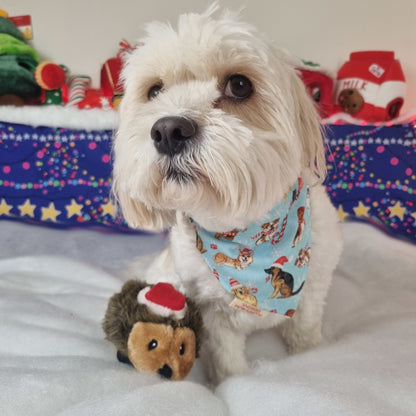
173,355
124,311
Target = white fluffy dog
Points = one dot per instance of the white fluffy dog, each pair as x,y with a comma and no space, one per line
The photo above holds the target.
216,126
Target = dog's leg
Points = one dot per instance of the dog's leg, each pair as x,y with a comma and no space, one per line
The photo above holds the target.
297,238
261,240
304,330
223,348
275,293
277,284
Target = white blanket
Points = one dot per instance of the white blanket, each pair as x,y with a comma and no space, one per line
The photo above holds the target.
54,359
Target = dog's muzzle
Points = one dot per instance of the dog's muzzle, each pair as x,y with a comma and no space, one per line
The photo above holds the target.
170,134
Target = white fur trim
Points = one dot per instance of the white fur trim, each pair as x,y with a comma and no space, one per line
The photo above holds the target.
408,117
57,116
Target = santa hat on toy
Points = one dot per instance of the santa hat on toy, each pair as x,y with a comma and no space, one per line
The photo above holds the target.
164,300
370,86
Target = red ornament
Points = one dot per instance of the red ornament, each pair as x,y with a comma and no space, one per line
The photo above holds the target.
50,76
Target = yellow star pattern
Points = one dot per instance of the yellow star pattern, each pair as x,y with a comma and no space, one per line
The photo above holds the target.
341,213
413,215
73,209
5,208
50,213
397,210
109,208
361,210
27,209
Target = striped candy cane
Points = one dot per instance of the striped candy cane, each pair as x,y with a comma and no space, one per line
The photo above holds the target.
77,87
278,236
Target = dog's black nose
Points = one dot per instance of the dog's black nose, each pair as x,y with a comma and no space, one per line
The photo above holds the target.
165,371
170,134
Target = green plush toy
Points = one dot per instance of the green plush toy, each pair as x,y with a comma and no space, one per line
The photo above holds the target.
18,62
12,46
16,76
7,26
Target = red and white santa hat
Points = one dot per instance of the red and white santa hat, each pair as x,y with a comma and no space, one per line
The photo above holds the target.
280,262
234,284
164,300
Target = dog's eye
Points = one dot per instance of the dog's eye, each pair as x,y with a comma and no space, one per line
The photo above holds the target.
182,349
238,87
154,91
152,345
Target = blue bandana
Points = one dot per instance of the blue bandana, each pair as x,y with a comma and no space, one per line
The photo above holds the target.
264,266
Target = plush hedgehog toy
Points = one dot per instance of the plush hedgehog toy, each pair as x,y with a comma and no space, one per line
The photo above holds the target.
154,328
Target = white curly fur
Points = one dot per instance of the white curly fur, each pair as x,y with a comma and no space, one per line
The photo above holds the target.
246,155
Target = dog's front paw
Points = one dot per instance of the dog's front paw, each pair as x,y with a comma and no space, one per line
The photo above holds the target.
299,339
221,364
223,351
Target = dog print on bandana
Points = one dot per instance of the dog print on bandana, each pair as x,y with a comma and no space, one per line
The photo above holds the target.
265,265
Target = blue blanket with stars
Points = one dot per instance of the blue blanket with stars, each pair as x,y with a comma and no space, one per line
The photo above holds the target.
57,176
372,175
62,177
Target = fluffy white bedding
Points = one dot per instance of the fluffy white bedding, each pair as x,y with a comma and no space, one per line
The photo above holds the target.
54,359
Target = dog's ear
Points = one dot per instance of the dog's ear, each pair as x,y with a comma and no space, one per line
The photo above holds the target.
139,216
309,130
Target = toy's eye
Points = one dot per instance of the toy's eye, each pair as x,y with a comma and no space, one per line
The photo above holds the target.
152,345
316,94
238,87
154,91
182,349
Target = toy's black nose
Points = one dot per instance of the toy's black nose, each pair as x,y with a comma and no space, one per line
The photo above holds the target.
170,134
165,371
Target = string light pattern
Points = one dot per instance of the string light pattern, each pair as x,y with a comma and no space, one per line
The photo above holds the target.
372,175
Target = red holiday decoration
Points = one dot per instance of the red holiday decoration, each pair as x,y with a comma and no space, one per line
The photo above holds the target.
50,76
320,87
94,99
370,86
110,77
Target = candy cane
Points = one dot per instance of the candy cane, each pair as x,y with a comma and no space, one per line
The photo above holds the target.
262,233
77,85
280,234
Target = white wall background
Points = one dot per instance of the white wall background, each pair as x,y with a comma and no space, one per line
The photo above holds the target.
82,34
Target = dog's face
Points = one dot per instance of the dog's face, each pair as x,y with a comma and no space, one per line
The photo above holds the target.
245,256
271,225
215,123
